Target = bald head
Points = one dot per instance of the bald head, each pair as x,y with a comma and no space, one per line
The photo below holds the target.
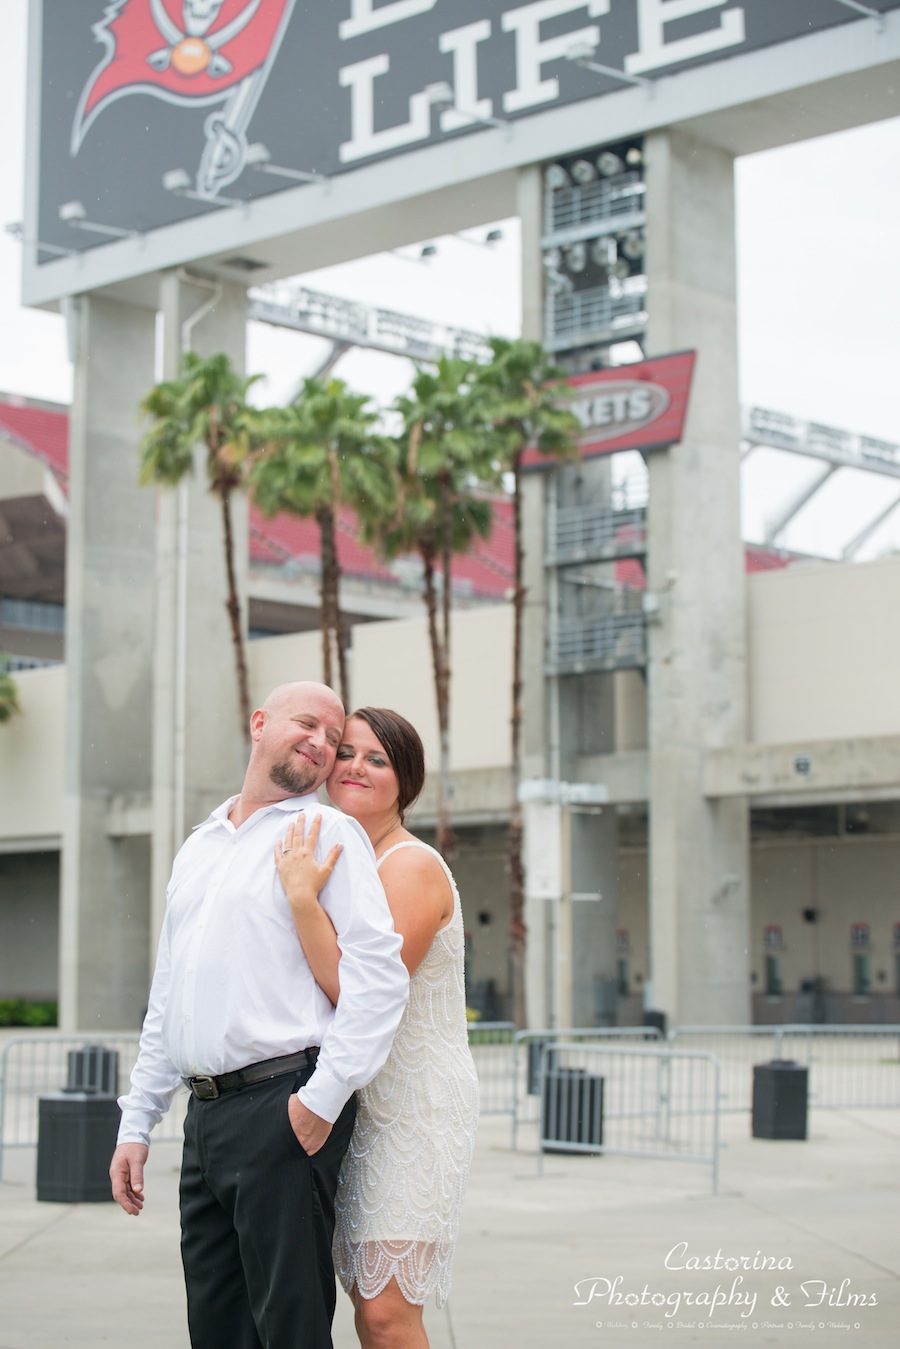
298,692
295,736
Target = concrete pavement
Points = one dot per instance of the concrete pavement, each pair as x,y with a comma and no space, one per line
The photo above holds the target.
539,1256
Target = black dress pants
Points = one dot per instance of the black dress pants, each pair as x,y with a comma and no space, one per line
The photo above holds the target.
257,1219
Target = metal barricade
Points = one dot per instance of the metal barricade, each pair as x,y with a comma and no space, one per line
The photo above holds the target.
493,1048
648,1101
32,1066
850,1067
526,1061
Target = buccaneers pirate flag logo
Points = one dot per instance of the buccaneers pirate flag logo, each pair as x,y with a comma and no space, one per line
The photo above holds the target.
189,52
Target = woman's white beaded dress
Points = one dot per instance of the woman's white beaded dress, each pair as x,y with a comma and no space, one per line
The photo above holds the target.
404,1175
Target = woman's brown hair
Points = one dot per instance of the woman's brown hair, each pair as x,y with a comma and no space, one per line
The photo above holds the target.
403,747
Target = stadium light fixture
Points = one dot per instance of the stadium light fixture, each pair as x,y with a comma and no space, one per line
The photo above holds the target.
442,97
257,156
582,54
576,257
632,245
178,182
610,164
73,213
492,237
583,172
603,251
556,177
16,229
425,254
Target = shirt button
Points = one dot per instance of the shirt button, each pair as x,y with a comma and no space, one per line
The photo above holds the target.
186,1017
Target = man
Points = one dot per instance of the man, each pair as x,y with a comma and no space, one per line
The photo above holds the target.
235,1013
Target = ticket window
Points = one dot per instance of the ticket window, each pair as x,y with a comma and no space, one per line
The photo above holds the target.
862,963
773,945
774,985
623,972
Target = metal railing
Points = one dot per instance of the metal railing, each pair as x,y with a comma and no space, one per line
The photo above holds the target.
286,304
611,641
528,1046
493,1049
850,1067
596,533
644,1101
593,315
32,1066
587,209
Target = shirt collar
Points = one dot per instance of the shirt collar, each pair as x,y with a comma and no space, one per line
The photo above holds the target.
290,805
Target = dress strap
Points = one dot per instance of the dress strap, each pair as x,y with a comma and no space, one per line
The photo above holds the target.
417,843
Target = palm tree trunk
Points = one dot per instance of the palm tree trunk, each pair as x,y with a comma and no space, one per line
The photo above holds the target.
515,863
337,618
445,840
325,520
233,605
448,851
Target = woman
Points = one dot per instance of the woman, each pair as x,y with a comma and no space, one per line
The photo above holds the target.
404,1174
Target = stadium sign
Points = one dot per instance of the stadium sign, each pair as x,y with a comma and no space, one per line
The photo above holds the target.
629,407
247,98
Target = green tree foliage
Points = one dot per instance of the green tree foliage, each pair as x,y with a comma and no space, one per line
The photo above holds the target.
321,453
9,694
207,405
443,462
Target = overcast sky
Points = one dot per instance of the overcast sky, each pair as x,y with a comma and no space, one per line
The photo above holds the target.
818,290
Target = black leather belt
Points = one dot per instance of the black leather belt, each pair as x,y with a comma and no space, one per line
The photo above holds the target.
207,1088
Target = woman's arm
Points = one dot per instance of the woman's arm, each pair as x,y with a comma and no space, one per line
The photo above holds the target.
303,877
420,900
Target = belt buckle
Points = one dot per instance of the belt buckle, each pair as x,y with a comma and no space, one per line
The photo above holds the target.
204,1088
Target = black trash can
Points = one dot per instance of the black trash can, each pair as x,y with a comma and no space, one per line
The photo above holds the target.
657,1019
780,1094
571,1108
94,1069
77,1133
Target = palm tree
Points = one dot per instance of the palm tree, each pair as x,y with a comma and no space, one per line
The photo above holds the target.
9,693
207,405
525,406
443,461
322,452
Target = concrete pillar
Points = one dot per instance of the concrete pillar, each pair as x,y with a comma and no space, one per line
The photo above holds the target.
109,657
594,841
571,949
199,752
699,901
539,749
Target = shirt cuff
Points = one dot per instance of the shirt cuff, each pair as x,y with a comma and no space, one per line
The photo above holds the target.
135,1127
325,1095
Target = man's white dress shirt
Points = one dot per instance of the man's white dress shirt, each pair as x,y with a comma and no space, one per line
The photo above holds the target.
232,985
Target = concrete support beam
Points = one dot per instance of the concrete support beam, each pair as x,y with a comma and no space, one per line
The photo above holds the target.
626,776
199,752
109,657
480,796
823,770
697,660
